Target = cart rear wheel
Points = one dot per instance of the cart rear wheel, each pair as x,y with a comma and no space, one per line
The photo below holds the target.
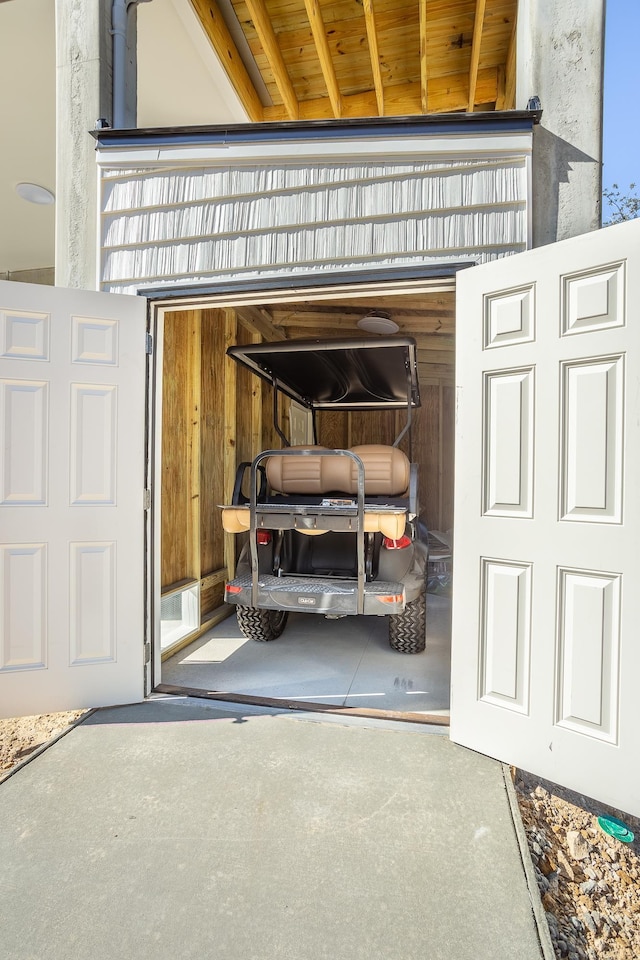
408,630
261,625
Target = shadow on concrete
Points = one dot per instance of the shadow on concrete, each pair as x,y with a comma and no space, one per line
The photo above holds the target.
553,161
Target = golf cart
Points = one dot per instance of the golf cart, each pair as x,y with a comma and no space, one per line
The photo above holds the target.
335,532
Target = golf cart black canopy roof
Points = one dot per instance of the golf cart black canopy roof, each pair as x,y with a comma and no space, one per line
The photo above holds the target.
354,374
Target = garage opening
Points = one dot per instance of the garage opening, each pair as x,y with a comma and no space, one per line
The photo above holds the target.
213,414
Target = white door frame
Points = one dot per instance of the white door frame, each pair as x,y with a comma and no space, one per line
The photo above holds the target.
167,301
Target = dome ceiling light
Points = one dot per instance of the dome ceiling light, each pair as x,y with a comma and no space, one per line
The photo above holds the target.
34,193
378,322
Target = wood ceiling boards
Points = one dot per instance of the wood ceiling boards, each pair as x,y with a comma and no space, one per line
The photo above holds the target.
323,59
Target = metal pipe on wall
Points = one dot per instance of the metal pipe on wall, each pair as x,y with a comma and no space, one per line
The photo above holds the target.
119,32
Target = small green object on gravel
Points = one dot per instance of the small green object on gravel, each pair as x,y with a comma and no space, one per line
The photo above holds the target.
616,829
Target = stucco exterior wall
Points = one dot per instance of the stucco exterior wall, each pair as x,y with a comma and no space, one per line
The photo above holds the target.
560,60
83,94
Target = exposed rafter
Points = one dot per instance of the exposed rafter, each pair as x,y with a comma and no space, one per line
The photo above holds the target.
445,94
510,70
423,56
324,55
476,44
269,41
222,42
322,59
372,37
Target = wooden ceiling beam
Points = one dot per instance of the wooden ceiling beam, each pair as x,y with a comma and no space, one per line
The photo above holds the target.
268,39
476,43
258,319
222,42
423,56
372,37
501,92
510,69
446,94
324,55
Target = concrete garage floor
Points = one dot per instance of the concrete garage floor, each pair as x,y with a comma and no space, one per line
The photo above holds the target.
345,662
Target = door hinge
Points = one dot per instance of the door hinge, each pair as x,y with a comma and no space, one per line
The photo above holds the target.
148,343
146,499
147,652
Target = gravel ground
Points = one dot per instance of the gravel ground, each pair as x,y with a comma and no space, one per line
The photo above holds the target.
589,883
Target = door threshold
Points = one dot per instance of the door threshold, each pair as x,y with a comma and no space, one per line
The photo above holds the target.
279,702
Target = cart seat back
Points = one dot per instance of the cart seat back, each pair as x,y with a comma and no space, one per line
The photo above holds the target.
386,472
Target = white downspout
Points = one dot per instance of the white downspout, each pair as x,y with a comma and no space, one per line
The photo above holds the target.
119,30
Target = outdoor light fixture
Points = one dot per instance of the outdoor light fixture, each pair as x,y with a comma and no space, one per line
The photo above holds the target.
378,322
34,193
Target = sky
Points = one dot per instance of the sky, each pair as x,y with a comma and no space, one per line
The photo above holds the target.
621,146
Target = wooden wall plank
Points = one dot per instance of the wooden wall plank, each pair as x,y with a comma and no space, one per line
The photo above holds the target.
179,560
192,465
448,460
246,384
333,429
378,426
256,408
211,598
426,438
229,437
212,432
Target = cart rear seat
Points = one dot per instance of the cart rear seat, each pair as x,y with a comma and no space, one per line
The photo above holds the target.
386,475
386,472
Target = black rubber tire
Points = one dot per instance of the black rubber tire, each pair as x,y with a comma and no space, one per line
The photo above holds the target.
261,625
408,630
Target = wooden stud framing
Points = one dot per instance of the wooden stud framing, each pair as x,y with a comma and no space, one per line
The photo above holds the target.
222,42
256,408
229,440
324,55
372,37
193,463
180,553
269,41
476,44
423,56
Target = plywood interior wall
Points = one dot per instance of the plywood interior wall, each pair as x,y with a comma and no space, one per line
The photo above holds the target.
216,415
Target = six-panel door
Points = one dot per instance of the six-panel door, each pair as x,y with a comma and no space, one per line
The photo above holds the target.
546,610
72,407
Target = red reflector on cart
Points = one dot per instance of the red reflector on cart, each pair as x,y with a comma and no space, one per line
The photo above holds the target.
233,589
392,598
396,544
263,536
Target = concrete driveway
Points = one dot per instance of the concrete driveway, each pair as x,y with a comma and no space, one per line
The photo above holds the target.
177,829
